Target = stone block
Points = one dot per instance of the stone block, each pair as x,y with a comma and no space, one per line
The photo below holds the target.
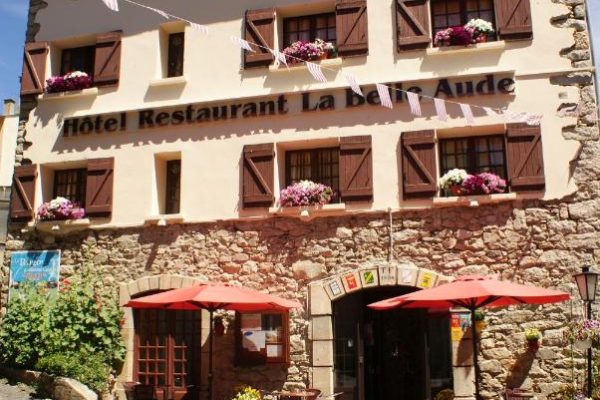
321,328
369,277
426,278
154,282
334,288
319,301
322,353
176,281
351,281
322,379
308,270
143,284
165,282
123,294
133,288
464,381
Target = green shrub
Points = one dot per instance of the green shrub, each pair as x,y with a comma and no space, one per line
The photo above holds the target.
89,369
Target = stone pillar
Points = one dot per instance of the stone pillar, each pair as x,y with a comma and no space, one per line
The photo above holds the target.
321,338
462,362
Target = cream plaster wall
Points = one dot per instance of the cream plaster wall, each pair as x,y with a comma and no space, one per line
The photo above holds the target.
211,152
9,125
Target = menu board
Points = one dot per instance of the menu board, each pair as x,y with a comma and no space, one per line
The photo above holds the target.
262,337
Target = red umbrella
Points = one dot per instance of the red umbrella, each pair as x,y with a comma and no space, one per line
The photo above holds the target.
212,297
473,292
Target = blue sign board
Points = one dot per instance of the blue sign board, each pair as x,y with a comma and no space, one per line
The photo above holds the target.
36,267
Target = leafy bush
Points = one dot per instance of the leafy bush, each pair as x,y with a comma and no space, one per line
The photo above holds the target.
89,369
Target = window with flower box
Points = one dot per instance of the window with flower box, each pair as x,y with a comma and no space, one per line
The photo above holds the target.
78,59
70,184
308,28
448,13
319,165
474,154
262,338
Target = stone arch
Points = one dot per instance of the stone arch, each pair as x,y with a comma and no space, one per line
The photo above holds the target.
323,293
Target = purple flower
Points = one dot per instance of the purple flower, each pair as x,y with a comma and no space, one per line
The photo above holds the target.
306,193
60,209
72,81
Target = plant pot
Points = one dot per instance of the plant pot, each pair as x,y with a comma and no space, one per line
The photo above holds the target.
533,344
456,190
583,344
479,326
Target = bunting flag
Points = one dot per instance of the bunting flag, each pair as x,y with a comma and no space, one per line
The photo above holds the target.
384,95
534,119
316,72
520,117
440,109
280,57
112,4
160,12
354,85
467,113
200,28
241,43
490,111
413,101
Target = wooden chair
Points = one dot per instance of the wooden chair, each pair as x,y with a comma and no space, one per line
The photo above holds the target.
314,394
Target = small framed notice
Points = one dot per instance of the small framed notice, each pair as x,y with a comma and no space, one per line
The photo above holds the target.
274,350
262,338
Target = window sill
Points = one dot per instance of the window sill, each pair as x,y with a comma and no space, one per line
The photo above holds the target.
164,219
174,81
93,91
309,212
329,63
496,45
473,201
61,227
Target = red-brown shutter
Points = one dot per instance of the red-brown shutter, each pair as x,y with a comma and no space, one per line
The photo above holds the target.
352,31
412,24
524,157
419,175
33,77
99,187
258,175
107,65
513,19
22,196
356,168
259,28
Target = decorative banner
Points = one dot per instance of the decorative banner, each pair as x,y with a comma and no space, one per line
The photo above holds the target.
334,288
467,113
112,4
440,109
351,281
316,72
520,117
369,277
384,95
534,119
280,57
426,279
490,111
413,101
160,12
459,324
35,267
200,28
241,43
407,275
388,275
354,85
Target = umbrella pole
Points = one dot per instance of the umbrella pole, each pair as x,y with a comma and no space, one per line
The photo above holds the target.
211,339
475,355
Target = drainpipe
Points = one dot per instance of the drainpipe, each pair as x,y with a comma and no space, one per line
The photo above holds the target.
592,55
391,249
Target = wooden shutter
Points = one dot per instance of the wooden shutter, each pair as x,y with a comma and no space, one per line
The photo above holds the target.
419,175
259,28
22,196
107,65
258,172
99,187
356,168
33,77
352,28
524,156
513,19
412,24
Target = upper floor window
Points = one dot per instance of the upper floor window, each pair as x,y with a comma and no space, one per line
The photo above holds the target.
474,154
309,28
78,59
173,187
317,165
71,184
175,55
449,13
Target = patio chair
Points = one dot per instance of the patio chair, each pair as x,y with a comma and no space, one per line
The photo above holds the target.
331,396
518,394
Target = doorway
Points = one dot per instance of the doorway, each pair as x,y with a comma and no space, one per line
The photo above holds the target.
385,355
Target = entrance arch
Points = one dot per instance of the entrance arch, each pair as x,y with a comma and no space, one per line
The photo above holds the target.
325,293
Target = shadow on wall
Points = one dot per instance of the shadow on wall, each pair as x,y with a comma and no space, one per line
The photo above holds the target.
520,370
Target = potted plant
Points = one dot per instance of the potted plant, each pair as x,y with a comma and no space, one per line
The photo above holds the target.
60,209
301,51
306,193
483,183
76,80
533,335
452,181
474,31
479,321
247,393
583,333
479,29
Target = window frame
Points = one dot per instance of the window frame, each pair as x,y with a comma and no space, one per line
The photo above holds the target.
312,29
249,359
175,68
80,178
315,154
170,185
463,16
85,51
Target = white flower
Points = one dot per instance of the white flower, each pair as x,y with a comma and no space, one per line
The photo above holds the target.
453,177
57,202
480,25
75,74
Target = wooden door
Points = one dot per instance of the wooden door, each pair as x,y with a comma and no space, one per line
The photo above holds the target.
167,354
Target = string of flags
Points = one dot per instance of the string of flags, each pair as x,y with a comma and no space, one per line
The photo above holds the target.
384,91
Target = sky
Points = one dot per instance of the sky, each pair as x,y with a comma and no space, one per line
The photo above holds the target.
13,21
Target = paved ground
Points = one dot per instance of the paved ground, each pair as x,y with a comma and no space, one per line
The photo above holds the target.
16,392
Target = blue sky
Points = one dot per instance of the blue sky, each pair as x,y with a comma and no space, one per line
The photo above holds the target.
13,21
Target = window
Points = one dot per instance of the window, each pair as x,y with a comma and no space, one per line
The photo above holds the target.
71,184
474,154
309,28
173,187
262,338
317,165
175,57
448,13
78,59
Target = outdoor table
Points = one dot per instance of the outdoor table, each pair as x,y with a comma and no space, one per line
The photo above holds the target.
301,395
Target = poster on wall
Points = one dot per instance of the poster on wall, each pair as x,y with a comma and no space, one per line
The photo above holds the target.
459,323
38,267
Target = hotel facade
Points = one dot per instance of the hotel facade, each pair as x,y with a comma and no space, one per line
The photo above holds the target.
179,150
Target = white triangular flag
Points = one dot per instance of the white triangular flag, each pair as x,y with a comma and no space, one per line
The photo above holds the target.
467,113
413,101
279,56
200,28
241,43
440,109
160,12
520,117
316,72
353,84
112,4
490,111
384,95
534,119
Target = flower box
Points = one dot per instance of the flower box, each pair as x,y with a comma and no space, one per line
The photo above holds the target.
76,80
309,212
63,227
301,51
59,209
473,32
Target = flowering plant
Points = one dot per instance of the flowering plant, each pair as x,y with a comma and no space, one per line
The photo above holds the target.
532,334
306,193
588,329
484,183
479,27
454,177
307,51
247,393
76,80
60,209
474,31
